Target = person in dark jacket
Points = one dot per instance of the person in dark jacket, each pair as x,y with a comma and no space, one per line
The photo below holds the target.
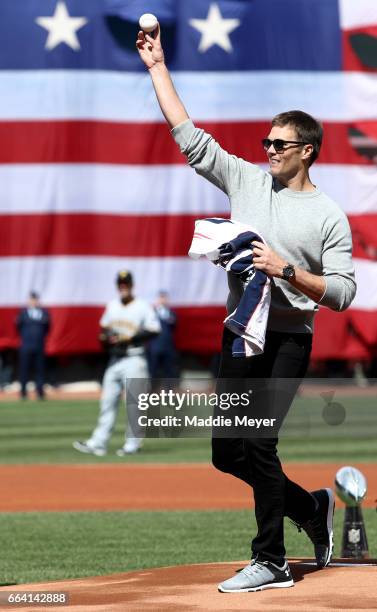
162,356
33,324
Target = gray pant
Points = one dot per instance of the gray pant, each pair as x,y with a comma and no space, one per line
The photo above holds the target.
118,374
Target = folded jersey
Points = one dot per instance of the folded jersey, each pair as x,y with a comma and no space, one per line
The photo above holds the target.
228,244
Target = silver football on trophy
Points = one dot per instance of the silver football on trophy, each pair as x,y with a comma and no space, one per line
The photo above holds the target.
350,485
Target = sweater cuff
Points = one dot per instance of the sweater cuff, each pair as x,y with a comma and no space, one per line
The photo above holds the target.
332,296
182,133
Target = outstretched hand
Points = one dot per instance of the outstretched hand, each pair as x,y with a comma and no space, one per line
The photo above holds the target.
149,47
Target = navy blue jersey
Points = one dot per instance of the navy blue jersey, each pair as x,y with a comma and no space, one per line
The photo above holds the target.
33,325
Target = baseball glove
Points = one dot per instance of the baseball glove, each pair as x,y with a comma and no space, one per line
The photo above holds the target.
108,337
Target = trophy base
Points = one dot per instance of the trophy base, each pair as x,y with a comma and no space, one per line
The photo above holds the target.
355,542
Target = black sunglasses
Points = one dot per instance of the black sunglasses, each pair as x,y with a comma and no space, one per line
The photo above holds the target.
279,144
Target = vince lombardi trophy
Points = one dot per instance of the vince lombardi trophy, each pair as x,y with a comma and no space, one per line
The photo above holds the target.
351,487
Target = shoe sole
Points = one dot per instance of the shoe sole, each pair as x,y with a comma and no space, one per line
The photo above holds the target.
262,587
89,451
330,521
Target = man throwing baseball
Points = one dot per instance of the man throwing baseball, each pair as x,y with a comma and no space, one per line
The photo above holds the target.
126,325
308,257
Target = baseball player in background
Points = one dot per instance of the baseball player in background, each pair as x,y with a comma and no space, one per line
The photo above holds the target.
126,325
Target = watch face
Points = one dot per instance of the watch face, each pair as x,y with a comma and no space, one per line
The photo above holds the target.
288,272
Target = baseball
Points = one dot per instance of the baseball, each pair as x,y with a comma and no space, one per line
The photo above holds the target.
148,22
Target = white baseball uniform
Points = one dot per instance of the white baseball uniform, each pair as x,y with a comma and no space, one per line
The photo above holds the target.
125,365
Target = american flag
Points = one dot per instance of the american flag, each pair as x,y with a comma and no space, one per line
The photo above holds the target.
92,182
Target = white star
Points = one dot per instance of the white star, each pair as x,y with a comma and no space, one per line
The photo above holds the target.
62,28
215,29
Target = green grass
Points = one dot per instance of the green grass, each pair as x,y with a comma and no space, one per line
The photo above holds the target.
52,546
43,432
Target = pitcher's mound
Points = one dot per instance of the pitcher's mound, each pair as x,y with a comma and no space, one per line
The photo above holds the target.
344,585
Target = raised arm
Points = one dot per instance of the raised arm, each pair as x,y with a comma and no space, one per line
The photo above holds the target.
203,153
152,54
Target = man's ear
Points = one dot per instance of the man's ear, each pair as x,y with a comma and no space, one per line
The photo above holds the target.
307,151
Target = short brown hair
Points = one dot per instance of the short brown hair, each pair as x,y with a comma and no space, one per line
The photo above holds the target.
307,128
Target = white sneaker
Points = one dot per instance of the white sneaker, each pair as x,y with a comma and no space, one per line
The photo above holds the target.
132,446
258,576
88,449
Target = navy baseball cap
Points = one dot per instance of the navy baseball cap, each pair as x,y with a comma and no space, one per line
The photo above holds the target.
124,277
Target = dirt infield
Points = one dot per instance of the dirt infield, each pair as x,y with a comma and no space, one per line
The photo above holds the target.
341,586
146,486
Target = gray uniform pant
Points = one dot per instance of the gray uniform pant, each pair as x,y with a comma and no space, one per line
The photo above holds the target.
119,373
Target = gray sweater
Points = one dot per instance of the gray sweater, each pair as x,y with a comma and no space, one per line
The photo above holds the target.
306,228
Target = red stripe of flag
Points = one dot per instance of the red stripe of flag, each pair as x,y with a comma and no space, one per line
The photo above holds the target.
149,143
128,235
74,330
89,234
